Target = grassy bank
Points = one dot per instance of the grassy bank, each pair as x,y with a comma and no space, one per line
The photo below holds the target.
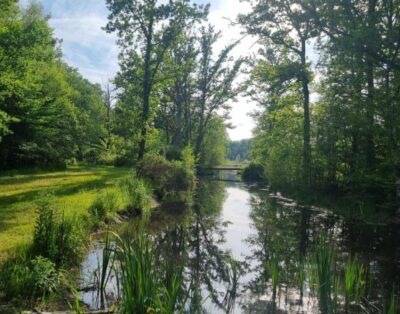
74,189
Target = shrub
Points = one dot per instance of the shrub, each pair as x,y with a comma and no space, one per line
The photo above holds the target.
253,172
136,192
169,176
59,240
30,279
104,204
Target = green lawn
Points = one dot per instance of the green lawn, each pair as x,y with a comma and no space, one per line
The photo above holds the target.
74,188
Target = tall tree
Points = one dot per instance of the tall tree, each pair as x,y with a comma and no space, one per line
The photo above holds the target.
288,26
215,82
146,30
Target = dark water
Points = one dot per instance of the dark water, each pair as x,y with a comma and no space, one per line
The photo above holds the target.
230,232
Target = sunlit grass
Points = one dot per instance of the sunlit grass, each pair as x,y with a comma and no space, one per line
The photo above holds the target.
74,189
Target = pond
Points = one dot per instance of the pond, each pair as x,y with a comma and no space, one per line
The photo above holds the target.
232,231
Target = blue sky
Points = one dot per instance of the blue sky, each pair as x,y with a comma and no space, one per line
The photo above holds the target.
94,52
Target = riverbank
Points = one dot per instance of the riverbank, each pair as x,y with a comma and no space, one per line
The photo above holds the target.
74,192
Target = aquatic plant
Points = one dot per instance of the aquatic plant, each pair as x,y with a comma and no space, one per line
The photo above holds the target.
273,270
324,258
301,277
231,294
76,306
393,303
143,288
105,269
354,281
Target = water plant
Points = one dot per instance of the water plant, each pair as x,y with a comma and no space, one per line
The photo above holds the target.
144,288
273,269
324,259
105,269
393,303
354,281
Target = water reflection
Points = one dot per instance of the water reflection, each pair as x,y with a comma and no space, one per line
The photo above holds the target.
230,237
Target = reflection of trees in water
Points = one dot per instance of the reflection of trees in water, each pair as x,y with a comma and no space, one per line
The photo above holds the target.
289,233
197,240
286,233
280,234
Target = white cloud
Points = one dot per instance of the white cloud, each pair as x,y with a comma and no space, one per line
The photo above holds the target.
222,17
94,52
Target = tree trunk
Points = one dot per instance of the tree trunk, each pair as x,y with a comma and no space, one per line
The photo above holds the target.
370,110
146,91
306,125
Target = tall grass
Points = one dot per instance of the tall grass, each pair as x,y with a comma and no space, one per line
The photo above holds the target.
144,288
324,258
273,269
393,303
354,281
105,269
136,193
61,240
104,204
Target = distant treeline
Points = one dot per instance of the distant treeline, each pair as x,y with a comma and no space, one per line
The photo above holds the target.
239,150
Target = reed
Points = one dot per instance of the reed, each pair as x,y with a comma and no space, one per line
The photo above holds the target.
141,279
355,279
393,303
324,258
273,269
105,269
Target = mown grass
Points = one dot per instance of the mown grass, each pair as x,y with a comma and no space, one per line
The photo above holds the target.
74,188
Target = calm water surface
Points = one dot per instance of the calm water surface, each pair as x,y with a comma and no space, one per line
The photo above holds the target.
230,232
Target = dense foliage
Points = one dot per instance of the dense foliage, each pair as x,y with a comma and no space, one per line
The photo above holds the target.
345,137
47,109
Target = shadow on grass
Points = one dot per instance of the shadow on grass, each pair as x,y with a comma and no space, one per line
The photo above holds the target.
70,173
8,212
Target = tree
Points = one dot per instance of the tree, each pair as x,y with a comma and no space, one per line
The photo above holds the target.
215,143
215,82
288,26
48,112
146,31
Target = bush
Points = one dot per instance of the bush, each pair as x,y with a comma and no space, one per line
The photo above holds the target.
136,192
30,279
168,177
104,204
59,240
253,172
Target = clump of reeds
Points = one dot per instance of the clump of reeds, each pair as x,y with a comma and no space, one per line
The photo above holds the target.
141,279
273,270
324,259
355,278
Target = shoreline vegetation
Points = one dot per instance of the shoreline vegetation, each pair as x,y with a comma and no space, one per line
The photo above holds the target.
36,271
